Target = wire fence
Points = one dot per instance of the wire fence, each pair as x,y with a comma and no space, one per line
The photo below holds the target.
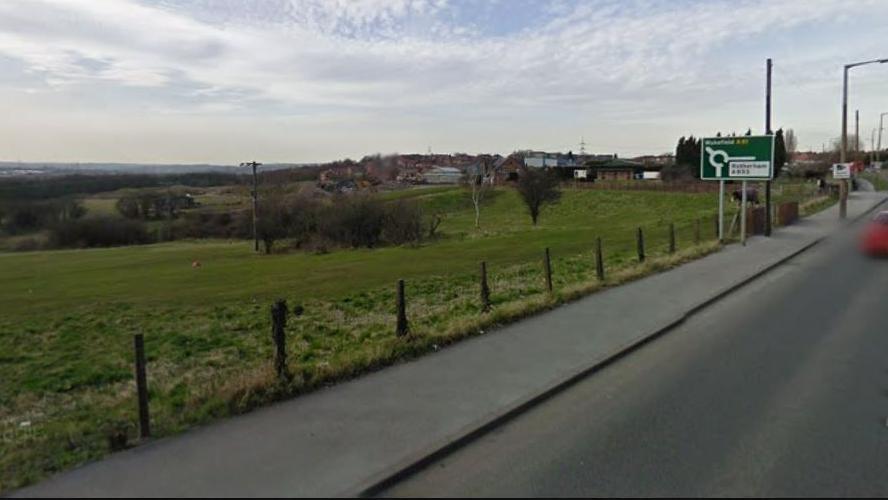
238,356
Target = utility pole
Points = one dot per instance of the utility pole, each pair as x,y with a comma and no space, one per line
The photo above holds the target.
843,187
255,194
879,146
770,65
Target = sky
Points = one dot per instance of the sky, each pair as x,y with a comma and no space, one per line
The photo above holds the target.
224,81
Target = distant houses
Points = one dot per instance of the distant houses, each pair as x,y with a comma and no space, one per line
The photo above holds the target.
441,169
616,169
508,168
591,168
442,175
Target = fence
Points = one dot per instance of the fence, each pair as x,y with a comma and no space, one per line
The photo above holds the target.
793,190
415,314
442,308
648,185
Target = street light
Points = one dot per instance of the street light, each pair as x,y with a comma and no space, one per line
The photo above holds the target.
881,127
843,205
255,194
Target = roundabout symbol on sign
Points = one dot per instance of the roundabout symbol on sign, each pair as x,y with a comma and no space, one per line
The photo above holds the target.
726,159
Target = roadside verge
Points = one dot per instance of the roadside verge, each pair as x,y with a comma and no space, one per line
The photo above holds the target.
356,437
411,466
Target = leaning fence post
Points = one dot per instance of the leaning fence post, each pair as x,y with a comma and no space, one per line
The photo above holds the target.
671,237
599,260
640,243
485,290
402,327
142,386
278,335
548,269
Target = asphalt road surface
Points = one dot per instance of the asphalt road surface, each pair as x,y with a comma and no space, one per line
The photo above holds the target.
779,389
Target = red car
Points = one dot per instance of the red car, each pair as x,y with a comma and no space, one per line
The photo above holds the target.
875,237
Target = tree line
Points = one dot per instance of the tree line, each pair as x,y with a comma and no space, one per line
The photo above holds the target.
304,220
26,216
45,187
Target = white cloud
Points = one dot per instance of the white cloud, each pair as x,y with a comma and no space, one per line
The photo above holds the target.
398,58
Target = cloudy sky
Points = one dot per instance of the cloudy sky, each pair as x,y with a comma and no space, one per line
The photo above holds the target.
311,80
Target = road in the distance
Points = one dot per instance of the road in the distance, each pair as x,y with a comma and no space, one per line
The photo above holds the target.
780,389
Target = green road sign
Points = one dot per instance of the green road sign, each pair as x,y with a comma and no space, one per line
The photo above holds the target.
747,158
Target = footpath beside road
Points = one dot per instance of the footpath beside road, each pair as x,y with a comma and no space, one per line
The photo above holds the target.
345,439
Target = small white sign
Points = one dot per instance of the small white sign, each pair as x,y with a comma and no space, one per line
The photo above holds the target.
841,171
580,174
751,169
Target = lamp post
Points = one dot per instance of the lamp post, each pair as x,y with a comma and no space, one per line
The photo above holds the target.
843,204
879,147
255,195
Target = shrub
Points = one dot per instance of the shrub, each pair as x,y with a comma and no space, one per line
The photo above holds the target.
280,216
147,205
355,220
677,173
128,206
210,225
27,245
403,222
300,218
433,222
101,231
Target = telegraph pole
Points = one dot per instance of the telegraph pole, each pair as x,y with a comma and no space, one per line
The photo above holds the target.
768,132
255,194
843,187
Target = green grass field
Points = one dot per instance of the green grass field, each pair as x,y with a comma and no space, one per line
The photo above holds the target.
878,179
69,316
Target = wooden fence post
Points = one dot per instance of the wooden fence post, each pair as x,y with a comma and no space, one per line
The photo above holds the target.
142,386
671,237
278,335
402,328
640,244
548,269
599,260
485,290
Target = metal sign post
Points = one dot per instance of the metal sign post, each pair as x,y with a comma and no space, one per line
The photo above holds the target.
721,211
743,216
746,158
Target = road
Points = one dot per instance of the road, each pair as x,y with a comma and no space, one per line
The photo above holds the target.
779,389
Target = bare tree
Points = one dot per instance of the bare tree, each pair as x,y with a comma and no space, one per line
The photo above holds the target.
479,178
538,187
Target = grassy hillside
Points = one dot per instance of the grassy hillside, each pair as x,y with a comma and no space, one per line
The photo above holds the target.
162,274
69,316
